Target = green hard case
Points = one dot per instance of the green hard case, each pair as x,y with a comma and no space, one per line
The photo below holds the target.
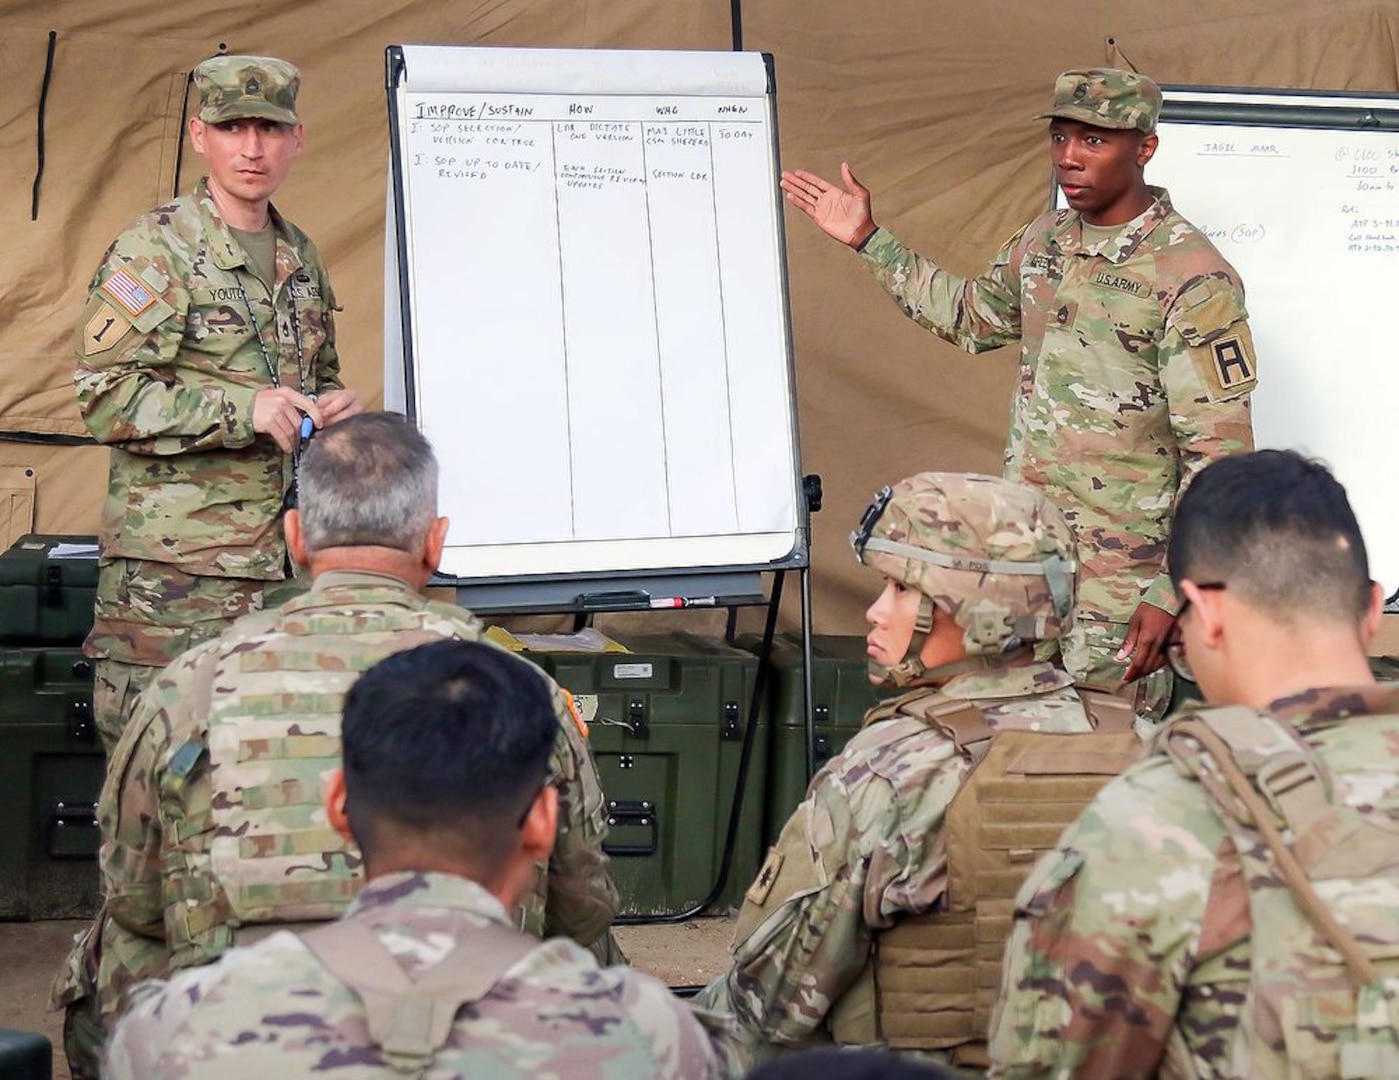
667,739
841,695
43,600
51,767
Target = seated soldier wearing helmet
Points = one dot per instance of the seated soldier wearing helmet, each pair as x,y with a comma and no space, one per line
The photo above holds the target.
880,913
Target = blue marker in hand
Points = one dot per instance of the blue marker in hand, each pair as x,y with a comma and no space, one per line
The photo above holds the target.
307,426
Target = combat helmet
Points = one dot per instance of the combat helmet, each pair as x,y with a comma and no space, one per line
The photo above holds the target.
996,556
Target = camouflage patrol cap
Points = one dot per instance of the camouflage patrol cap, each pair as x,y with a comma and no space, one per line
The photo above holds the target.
996,555
1106,97
233,87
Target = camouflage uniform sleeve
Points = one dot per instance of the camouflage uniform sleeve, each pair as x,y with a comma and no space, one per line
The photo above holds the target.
681,1044
803,936
975,314
129,815
1107,929
1208,370
582,899
132,945
130,393
135,1048
159,1011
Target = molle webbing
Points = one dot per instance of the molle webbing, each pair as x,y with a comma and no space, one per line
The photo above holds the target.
411,1020
268,855
937,975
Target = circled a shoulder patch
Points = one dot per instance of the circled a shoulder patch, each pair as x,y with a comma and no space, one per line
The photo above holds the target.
1231,362
104,329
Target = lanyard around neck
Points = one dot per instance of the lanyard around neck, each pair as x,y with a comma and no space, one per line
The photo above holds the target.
272,369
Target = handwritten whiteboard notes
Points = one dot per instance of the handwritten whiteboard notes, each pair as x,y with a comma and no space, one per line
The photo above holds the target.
599,321
1309,216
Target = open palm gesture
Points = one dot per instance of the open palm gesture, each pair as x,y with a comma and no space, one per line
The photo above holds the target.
841,212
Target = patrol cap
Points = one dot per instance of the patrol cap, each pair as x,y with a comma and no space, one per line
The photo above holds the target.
1106,97
233,87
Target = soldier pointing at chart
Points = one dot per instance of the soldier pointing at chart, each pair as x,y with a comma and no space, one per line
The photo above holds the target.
1136,360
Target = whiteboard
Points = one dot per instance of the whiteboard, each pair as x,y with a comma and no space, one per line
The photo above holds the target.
1300,192
596,337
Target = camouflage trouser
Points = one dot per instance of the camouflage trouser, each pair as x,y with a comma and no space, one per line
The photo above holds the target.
147,614
83,1038
1090,649
115,688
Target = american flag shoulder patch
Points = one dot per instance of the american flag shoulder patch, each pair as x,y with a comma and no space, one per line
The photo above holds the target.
128,292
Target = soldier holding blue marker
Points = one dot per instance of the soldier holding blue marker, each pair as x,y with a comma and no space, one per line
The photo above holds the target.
206,348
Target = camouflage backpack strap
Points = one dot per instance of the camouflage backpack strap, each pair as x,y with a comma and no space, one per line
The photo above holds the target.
1234,793
1301,1013
411,1020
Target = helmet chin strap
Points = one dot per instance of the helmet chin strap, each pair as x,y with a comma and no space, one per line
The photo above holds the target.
910,669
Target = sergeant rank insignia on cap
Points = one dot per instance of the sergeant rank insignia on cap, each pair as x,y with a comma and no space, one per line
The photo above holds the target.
127,292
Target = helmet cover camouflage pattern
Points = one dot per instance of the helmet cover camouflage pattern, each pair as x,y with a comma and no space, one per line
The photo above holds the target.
1108,98
995,555
234,87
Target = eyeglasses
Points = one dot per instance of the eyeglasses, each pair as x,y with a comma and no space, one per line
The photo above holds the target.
1175,638
550,779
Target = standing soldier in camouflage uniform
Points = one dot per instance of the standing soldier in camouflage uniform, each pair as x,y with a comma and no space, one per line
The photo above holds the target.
1230,906
207,336
448,791
872,918
210,816
1136,360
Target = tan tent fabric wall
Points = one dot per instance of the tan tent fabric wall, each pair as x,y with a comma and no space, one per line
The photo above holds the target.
930,101
69,484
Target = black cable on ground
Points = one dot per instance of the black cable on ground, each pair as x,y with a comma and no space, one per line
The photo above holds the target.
745,758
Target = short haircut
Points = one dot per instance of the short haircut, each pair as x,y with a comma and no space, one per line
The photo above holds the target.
447,743
1278,529
370,480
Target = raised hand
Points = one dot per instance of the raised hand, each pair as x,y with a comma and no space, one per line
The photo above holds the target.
843,213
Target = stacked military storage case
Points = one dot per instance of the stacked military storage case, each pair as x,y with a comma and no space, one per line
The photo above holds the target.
841,695
50,758
667,738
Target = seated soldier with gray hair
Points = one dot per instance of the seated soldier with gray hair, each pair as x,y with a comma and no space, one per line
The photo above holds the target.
449,792
212,828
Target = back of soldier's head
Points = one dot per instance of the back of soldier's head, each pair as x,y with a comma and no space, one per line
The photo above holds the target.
370,481
1279,532
446,747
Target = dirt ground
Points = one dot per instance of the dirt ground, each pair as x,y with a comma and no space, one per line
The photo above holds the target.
685,954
